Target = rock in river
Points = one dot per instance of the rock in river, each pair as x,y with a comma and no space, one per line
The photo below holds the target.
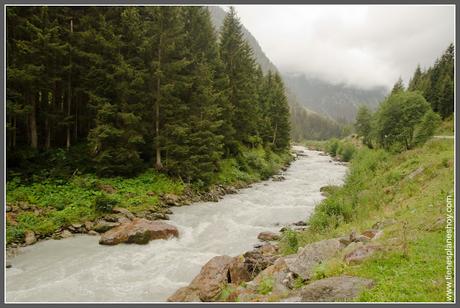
138,231
268,236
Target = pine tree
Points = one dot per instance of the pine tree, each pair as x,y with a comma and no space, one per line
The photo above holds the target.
239,66
398,86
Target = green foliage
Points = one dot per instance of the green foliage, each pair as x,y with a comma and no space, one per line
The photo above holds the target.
266,285
378,189
397,119
332,146
289,242
103,203
346,151
428,125
436,83
363,124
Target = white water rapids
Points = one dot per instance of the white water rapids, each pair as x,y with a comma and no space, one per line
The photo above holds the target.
78,269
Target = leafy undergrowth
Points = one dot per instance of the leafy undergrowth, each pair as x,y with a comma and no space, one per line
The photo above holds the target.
81,197
446,128
409,189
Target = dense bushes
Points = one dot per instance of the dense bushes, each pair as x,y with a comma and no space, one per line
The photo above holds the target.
342,149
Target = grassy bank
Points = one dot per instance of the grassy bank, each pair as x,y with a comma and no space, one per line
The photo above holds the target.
47,205
408,191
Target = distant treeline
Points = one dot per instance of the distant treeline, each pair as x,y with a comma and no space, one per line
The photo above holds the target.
137,86
409,117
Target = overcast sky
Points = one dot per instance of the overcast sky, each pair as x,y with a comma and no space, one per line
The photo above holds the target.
358,45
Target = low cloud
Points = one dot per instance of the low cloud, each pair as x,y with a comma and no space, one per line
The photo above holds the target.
358,45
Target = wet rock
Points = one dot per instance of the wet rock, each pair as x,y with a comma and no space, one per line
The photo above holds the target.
77,226
361,253
138,231
171,199
300,223
88,225
103,226
333,289
268,236
278,178
304,262
107,188
29,237
208,284
231,190
124,212
66,234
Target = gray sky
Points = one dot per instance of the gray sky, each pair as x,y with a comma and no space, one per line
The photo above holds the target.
358,45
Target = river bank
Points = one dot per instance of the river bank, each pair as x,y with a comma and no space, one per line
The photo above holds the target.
57,208
206,229
380,237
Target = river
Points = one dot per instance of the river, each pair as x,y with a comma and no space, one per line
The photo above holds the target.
78,269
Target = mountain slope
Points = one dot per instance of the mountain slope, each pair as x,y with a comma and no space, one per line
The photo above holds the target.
337,101
305,123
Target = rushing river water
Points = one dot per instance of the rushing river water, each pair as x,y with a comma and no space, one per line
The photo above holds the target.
78,269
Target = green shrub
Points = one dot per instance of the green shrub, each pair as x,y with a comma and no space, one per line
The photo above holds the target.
103,203
346,151
289,241
332,147
265,286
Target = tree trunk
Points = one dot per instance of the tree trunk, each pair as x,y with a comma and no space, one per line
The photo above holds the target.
274,134
158,164
33,124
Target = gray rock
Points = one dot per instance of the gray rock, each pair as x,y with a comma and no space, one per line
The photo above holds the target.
92,232
66,234
29,237
103,226
123,211
304,262
333,289
268,236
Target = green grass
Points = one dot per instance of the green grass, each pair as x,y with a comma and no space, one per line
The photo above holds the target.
74,201
446,128
379,186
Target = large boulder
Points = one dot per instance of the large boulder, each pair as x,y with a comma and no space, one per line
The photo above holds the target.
208,284
304,262
138,231
333,289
